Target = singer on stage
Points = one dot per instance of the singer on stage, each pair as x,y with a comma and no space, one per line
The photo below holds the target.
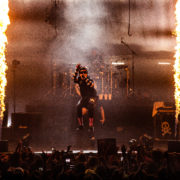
88,97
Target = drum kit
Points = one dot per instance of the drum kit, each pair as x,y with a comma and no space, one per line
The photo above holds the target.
110,80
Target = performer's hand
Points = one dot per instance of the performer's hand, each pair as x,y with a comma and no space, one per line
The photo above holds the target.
74,75
86,80
78,67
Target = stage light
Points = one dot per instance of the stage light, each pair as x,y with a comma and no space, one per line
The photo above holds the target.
164,63
89,151
118,63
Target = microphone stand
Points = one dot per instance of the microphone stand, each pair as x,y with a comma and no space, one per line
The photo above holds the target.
133,53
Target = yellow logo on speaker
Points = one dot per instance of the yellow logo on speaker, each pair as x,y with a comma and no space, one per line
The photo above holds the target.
165,127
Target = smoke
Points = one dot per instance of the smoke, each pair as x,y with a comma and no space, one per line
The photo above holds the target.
82,31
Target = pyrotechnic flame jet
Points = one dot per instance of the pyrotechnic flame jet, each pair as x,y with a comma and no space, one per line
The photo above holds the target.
4,21
177,64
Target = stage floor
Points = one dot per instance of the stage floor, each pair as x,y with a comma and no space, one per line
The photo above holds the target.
79,141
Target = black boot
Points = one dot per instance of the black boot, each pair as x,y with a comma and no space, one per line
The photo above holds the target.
79,128
91,133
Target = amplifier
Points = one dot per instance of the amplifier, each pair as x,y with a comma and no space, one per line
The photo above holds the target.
26,120
164,124
107,146
174,146
4,146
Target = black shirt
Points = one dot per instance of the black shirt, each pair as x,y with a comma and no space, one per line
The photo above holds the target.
85,89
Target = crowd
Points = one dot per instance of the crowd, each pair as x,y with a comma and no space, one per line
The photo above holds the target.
137,162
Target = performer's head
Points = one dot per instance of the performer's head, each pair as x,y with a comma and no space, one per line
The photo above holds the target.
83,73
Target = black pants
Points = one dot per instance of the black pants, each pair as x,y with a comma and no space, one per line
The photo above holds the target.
89,103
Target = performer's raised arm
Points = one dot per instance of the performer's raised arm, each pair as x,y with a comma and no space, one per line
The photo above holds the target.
90,82
75,76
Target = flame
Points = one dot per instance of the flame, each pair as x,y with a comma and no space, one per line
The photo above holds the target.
4,21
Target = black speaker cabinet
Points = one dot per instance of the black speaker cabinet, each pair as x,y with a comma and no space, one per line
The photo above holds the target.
107,146
164,124
3,146
7,133
174,146
29,120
